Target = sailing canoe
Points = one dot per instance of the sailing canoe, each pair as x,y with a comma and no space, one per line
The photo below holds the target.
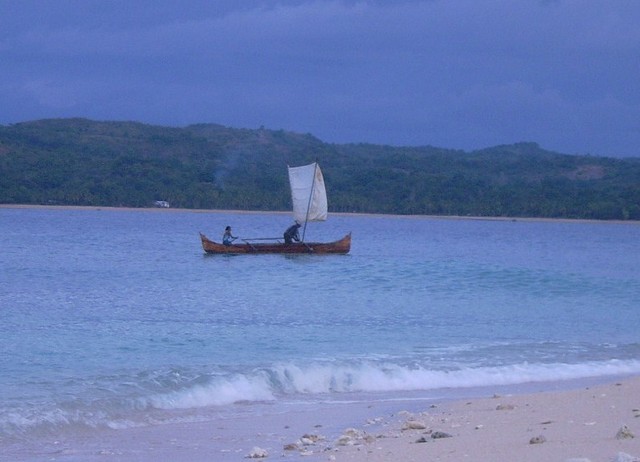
341,246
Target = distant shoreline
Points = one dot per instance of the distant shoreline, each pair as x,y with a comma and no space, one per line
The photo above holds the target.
381,215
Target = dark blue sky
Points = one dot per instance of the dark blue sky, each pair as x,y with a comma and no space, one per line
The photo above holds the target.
464,74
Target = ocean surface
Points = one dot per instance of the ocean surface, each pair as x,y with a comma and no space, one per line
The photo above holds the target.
116,319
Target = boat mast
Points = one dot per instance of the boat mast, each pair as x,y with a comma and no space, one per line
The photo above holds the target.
313,185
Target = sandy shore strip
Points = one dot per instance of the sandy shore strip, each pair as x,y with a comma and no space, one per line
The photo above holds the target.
285,212
599,423
596,424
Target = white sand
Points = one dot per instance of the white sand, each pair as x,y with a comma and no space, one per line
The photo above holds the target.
576,425
286,212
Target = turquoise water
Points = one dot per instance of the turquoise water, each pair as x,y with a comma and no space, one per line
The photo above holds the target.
114,319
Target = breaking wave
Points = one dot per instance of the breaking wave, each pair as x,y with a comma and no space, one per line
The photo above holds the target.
313,379
193,399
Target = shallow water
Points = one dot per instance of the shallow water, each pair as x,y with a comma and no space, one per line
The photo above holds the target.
116,318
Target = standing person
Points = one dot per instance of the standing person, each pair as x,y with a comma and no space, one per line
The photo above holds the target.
227,237
291,234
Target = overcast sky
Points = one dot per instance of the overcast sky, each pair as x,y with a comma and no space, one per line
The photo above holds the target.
463,74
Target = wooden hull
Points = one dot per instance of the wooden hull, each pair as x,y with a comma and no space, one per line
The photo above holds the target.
341,246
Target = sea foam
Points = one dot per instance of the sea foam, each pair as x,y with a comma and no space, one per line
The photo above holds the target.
329,378
220,391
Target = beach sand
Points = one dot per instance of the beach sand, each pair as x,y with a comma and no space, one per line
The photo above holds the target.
286,212
598,423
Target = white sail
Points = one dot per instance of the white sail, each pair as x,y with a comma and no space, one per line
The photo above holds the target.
308,193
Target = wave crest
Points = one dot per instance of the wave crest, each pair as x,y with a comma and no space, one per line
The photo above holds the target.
314,379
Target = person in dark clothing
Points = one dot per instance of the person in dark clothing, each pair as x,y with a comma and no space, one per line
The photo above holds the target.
292,234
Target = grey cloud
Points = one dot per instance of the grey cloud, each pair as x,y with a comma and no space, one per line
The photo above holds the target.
456,73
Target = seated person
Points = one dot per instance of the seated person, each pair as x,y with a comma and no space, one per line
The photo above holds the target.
227,237
291,234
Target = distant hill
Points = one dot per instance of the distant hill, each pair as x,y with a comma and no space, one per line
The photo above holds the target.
208,166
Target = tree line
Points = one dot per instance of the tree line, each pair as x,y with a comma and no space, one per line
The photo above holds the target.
208,166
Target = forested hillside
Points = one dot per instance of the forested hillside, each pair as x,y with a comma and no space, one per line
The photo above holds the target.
84,162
